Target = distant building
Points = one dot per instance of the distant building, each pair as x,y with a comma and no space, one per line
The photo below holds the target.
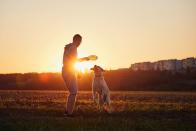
135,66
159,65
195,61
144,66
189,63
169,65
173,65
179,66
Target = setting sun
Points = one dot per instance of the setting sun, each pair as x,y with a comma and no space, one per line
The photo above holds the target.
83,66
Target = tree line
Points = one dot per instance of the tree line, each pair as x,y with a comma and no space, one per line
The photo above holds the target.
121,79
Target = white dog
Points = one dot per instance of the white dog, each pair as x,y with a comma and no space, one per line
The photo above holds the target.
101,93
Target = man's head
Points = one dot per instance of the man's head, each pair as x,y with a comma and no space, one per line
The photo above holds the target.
77,39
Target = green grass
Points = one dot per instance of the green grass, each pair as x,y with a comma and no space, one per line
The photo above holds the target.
151,111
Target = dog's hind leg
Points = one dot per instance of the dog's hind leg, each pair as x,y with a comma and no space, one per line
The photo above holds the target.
101,103
107,106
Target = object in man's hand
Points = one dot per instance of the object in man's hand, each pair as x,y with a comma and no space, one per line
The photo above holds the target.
92,57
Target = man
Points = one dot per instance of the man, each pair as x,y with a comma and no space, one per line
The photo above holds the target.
69,74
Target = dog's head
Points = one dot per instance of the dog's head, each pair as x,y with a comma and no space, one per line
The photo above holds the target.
97,70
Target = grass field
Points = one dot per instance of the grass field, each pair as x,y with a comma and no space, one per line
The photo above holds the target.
43,111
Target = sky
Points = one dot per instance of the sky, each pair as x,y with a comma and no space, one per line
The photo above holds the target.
33,33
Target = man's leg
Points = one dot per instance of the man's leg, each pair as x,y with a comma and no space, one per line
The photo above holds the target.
72,87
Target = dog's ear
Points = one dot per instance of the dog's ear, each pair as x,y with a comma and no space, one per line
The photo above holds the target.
101,69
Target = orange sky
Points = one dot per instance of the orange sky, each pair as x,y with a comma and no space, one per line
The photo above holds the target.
33,32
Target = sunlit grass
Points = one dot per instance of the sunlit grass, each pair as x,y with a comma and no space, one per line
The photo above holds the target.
43,110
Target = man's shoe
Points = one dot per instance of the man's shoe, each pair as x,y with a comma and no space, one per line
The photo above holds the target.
68,115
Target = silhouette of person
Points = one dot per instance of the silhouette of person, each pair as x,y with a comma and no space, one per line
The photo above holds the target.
69,74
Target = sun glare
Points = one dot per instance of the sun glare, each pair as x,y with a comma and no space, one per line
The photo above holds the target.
83,67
